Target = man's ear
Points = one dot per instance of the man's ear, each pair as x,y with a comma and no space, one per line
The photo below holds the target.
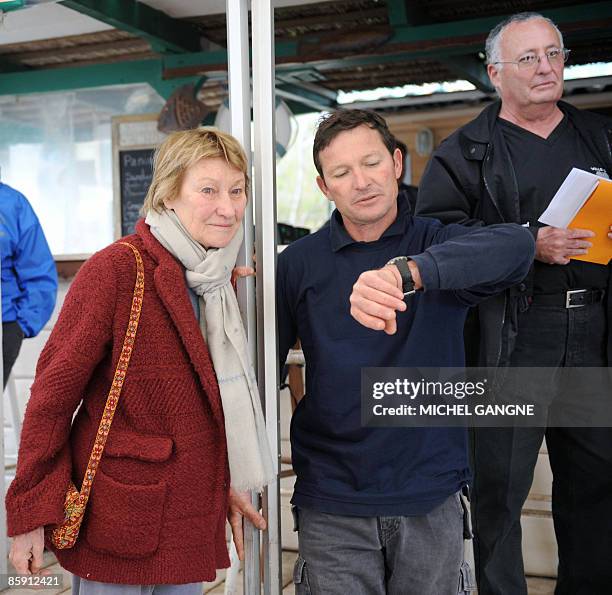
397,163
493,73
323,187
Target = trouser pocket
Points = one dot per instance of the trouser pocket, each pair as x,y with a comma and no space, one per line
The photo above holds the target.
300,577
467,584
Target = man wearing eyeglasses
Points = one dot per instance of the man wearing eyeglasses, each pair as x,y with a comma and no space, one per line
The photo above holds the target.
505,166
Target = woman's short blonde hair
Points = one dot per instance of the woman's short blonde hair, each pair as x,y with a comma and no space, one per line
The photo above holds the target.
181,150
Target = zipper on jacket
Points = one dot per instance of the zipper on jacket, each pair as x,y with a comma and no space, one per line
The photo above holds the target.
486,159
503,320
501,336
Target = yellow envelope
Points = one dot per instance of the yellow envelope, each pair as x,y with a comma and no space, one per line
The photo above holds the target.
596,215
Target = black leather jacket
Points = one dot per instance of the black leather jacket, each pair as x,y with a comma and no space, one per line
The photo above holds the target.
470,180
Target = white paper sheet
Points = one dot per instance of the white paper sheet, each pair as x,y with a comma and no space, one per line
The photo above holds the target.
570,197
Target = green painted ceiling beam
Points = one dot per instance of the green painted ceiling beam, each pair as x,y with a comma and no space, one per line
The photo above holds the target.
98,75
470,69
214,60
164,33
7,5
63,79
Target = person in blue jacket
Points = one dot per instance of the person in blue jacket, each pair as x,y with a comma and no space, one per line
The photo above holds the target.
379,509
29,276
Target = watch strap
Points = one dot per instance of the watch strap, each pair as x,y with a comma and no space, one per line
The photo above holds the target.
401,262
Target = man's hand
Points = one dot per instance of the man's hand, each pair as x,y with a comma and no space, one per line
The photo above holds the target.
27,551
555,245
240,506
376,297
610,232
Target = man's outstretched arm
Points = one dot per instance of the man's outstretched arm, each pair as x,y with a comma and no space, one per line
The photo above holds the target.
475,263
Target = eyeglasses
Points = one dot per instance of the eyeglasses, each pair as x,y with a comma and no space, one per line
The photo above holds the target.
530,60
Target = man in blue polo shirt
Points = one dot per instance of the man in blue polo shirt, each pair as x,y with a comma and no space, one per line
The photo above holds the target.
379,509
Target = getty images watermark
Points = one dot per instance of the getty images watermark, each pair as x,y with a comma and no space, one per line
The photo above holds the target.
486,397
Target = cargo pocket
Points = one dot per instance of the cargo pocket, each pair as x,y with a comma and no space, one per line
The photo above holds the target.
467,584
124,520
300,577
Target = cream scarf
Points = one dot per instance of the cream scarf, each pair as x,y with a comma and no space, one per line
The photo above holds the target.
208,273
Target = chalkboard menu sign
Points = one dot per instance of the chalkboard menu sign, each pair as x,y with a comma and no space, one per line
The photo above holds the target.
135,172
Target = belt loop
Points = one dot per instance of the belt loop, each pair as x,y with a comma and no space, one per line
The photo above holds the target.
523,303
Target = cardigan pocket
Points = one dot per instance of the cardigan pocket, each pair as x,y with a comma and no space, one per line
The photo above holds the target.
130,457
124,520
154,449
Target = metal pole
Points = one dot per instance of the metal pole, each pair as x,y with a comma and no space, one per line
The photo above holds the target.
264,157
240,117
3,537
237,17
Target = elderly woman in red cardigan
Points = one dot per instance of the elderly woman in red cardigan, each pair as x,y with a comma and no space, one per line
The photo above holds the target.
187,439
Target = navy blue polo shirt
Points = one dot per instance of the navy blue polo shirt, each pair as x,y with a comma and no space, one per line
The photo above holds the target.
344,468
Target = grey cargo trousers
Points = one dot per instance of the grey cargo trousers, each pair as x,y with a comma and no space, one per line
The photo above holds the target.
402,555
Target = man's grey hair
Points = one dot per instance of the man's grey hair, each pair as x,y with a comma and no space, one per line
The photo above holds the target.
492,45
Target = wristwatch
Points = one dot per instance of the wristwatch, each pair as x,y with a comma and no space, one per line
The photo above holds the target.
401,262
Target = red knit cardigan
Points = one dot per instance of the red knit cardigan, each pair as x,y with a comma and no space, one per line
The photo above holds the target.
159,501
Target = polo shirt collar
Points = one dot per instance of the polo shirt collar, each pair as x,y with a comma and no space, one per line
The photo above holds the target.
340,238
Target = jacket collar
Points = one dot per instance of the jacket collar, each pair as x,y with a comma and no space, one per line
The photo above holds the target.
480,129
169,279
590,127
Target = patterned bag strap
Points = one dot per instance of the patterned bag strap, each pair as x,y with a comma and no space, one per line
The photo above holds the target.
118,379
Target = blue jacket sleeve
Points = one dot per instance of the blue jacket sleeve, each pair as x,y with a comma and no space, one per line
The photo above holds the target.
476,262
37,278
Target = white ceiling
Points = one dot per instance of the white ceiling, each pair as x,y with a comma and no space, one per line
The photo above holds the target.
50,20
45,21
